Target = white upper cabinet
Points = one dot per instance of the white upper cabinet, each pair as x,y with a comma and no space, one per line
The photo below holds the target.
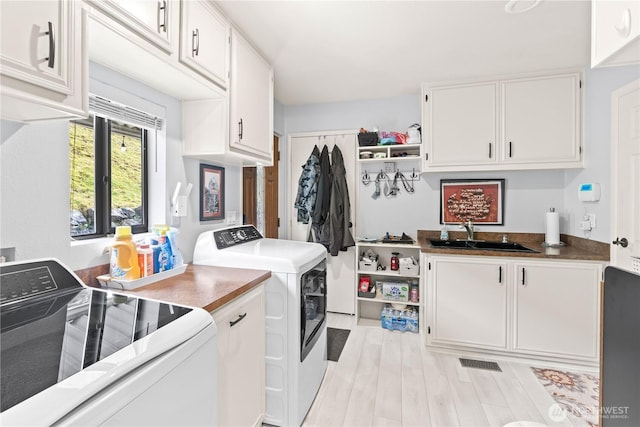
506,124
541,121
148,18
449,142
251,101
204,41
43,60
615,32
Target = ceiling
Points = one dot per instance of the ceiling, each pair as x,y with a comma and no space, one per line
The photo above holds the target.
331,51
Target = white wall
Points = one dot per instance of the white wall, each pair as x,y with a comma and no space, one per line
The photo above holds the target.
529,194
599,83
34,184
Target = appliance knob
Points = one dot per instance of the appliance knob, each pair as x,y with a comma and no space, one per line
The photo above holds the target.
241,235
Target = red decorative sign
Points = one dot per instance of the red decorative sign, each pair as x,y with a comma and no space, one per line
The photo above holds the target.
478,200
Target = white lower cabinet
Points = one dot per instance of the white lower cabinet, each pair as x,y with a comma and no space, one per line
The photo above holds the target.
470,302
241,359
535,308
556,309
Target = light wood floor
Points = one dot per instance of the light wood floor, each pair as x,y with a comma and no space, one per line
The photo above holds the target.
386,378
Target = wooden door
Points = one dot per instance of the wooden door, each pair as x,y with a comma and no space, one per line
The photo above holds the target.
625,173
250,189
249,196
271,219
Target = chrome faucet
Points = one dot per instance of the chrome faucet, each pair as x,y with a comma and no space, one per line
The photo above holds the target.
469,227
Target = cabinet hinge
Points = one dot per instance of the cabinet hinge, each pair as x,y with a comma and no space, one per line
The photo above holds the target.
428,329
426,98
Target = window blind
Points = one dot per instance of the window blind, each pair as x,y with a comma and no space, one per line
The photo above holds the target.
123,114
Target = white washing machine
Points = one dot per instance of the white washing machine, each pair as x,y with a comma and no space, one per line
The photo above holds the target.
296,340
73,355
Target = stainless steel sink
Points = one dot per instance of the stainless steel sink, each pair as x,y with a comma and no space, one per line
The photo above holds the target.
480,245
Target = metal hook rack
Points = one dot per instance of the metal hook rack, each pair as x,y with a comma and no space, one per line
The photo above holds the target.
409,175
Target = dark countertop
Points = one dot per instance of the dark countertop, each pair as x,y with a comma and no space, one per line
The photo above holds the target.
203,286
576,248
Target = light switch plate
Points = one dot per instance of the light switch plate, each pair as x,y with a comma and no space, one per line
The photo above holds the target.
231,217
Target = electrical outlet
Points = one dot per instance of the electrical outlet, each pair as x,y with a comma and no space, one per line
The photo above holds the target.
231,218
591,217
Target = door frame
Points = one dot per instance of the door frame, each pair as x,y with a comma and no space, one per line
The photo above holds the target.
615,135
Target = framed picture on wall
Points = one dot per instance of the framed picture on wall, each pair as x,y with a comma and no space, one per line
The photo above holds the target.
211,192
479,200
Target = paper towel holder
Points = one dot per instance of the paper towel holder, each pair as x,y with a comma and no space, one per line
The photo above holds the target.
555,244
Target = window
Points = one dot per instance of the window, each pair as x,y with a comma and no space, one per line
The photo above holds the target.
108,170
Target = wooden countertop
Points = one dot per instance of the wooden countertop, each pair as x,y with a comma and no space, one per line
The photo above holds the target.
576,248
203,286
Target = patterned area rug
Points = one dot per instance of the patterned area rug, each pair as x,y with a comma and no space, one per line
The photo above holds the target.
576,395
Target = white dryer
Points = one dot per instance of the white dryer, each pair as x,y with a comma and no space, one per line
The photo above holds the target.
296,341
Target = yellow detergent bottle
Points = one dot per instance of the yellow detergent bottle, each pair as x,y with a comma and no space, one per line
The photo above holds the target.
124,256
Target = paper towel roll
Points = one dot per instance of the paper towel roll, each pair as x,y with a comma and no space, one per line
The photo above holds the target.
552,230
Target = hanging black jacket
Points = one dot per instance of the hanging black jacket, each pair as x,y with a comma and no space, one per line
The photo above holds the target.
340,208
320,224
323,195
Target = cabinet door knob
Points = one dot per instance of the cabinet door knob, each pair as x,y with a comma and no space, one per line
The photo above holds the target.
622,242
240,129
51,59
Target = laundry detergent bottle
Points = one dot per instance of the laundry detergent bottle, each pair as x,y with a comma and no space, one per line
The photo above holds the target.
124,256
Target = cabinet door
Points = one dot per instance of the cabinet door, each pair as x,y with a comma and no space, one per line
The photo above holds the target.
148,18
541,121
556,309
469,302
615,32
204,41
251,105
37,45
459,125
241,360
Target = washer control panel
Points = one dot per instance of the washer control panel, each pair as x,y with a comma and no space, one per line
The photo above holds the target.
228,237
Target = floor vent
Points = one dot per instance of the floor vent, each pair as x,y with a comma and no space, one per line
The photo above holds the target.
480,364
